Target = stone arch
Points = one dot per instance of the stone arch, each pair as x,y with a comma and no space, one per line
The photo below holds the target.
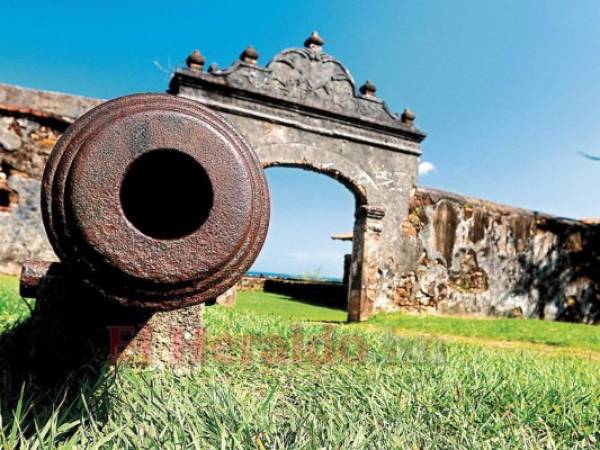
340,169
360,184
303,109
357,190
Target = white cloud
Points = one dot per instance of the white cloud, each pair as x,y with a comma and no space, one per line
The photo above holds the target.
426,167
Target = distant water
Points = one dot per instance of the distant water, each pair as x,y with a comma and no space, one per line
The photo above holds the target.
287,276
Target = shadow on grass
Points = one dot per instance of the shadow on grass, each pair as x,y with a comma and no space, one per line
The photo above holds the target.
328,295
312,302
36,391
59,356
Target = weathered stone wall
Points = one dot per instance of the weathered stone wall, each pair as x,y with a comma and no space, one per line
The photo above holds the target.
251,284
22,234
478,257
30,124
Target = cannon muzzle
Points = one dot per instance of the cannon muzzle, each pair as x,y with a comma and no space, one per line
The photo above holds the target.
155,202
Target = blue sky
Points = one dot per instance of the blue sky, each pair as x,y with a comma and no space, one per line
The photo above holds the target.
508,91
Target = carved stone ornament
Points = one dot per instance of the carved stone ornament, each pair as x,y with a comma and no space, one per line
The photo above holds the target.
300,76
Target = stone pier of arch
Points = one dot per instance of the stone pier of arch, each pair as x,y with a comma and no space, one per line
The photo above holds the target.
414,248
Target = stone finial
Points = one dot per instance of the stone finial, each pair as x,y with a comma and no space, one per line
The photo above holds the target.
408,117
314,41
195,61
214,67
368,89
249,55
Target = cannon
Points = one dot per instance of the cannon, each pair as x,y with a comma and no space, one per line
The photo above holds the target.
152,203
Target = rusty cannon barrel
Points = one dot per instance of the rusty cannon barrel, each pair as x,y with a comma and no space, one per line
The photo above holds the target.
154,202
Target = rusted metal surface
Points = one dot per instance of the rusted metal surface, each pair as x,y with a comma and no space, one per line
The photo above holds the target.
155,202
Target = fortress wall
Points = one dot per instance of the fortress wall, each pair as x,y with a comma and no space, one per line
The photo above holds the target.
479,257
30,124
464,255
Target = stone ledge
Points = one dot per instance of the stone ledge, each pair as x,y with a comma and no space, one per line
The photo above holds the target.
437,195
44,104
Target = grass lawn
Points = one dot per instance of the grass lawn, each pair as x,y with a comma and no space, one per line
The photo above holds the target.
12,307
556,334
306,385
559,334
281,306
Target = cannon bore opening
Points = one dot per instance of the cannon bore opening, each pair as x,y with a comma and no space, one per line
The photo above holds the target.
166,194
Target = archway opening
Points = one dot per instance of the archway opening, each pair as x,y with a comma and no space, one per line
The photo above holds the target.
307,255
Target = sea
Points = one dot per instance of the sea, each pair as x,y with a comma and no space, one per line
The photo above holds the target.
288,276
